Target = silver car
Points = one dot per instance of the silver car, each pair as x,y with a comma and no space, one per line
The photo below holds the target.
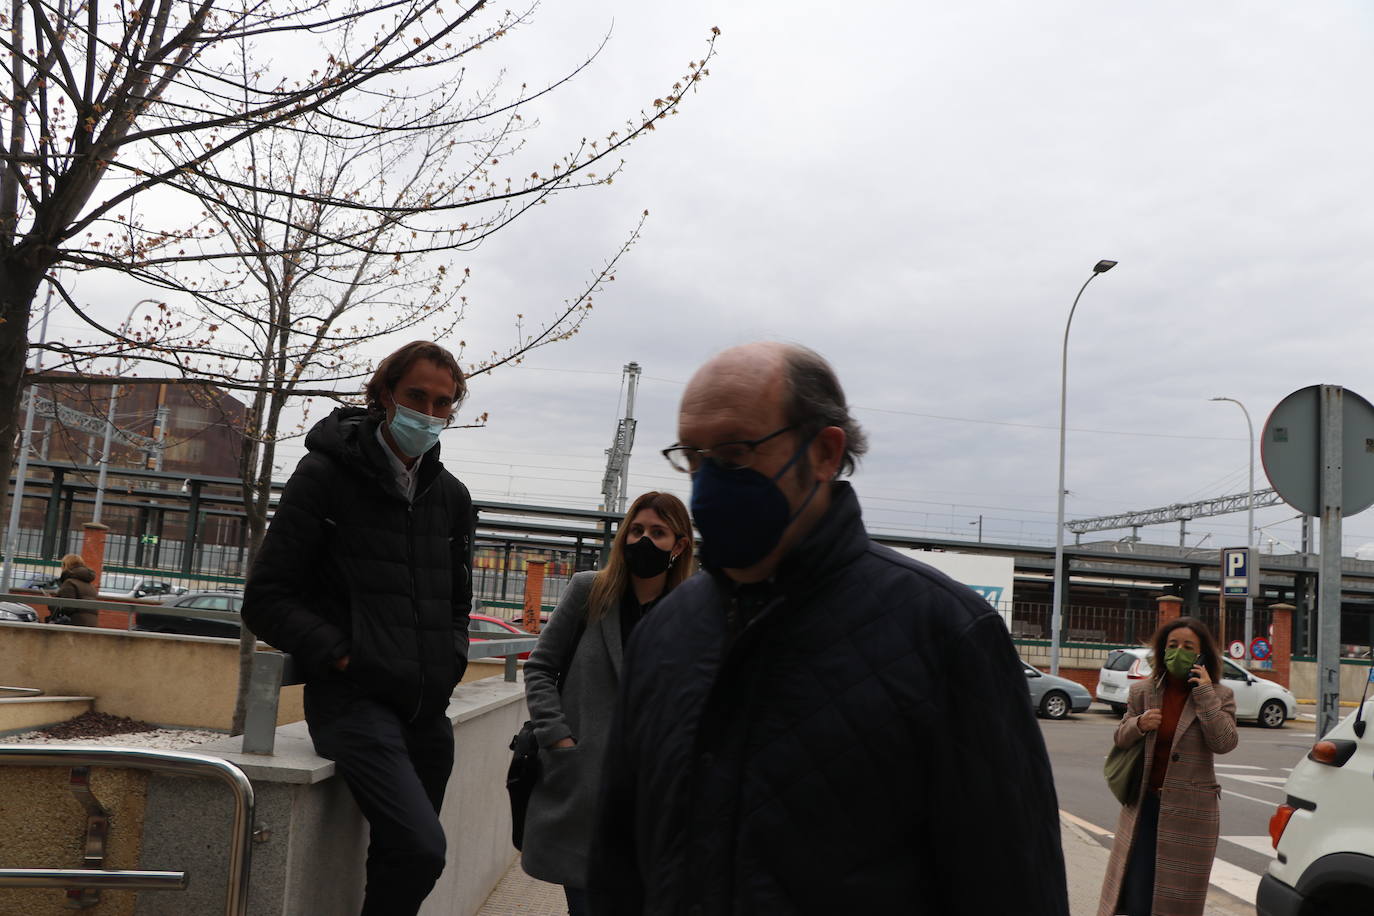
1055,697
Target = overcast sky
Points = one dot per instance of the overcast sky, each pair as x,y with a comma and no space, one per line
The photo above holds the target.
917,190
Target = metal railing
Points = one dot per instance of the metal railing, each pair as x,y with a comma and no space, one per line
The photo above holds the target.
1083,624
181,763
20,692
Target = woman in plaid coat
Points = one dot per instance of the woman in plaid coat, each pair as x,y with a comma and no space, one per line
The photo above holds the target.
1166,838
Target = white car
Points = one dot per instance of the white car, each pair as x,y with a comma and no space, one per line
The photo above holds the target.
1323,832
1268,703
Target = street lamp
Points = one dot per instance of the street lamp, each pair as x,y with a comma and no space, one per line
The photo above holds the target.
110,417
1249,531
1057,618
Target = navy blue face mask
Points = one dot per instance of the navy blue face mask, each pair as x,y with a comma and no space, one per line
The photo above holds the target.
741,514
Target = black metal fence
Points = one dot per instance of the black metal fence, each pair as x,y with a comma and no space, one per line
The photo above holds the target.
1083,624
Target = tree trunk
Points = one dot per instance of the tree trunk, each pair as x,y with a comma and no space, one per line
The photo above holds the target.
18,287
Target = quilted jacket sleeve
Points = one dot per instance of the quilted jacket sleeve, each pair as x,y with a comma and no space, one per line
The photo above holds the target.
614,884
461,560
993,799
275,602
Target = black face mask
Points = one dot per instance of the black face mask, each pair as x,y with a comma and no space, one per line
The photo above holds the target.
646,559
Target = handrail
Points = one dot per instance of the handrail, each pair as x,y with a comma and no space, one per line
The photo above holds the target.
131,607
100,878
21,691
184,763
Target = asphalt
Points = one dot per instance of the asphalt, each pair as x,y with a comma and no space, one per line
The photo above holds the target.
1085,862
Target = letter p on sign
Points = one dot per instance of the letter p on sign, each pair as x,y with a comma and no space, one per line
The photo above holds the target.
1238,573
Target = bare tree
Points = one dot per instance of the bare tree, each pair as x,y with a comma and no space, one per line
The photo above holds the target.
145,97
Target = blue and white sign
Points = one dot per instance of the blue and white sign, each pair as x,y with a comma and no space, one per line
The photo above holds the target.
1239,577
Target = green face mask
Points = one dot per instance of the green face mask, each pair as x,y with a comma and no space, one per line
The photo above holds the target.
1178,661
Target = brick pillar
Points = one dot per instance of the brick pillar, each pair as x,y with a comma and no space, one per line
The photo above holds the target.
1281,645
534,594
93,555
93,547
1170,608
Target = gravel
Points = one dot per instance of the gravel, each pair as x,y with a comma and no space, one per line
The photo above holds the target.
103,729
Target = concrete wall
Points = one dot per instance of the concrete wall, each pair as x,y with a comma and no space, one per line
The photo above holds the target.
43,826
167,680
1354,673
313,861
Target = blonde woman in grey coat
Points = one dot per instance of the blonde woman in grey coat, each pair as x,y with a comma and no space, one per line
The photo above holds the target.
572,677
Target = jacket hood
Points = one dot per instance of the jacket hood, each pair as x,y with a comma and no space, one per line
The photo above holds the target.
84,573
349,437
338,435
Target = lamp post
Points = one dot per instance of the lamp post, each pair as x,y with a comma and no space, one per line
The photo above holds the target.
1249,531
1057,614
110,418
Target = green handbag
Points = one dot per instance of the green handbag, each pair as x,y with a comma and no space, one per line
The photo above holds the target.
1123,771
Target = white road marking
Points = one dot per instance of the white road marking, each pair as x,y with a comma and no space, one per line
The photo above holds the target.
1262,801
1086,825
1268,782
1235,880
1238,766
1260,844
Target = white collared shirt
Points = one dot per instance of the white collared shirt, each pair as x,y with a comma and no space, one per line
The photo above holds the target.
405,476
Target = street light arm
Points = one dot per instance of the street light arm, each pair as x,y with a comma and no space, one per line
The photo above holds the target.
1057,609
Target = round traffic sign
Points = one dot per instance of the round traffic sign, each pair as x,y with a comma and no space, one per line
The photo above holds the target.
1259,648
1236,649
1291,450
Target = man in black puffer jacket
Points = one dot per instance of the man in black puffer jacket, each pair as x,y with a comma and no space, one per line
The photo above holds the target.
365,577
815,724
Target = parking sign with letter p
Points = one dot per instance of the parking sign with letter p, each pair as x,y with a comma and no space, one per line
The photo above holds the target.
1239,577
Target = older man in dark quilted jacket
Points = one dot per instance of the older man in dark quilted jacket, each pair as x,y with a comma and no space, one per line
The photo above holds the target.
365,577
815,724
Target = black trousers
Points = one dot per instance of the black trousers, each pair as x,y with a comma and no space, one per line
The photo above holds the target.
1138,885
397,772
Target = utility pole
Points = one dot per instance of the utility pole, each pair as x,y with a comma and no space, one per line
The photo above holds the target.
615,484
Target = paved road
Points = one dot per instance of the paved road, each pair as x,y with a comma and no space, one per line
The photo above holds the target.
1251,777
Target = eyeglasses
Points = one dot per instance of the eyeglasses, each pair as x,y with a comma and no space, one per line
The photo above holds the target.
729,456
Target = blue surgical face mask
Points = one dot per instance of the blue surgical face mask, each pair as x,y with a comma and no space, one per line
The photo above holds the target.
741,514
413,432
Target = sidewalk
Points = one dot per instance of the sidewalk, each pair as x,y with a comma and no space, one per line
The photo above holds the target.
519,893
1085,861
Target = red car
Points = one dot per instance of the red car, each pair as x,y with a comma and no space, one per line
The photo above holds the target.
481,623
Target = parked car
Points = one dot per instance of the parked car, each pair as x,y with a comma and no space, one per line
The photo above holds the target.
117,590
43,583
15,612
1055,697
168,621
482,623
1268,703
1323,831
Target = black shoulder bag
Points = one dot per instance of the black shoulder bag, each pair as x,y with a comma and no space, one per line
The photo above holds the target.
524,772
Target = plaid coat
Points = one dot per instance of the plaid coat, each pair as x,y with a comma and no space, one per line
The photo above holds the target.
1189,810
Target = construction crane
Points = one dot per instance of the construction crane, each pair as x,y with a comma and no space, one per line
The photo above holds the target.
615,484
